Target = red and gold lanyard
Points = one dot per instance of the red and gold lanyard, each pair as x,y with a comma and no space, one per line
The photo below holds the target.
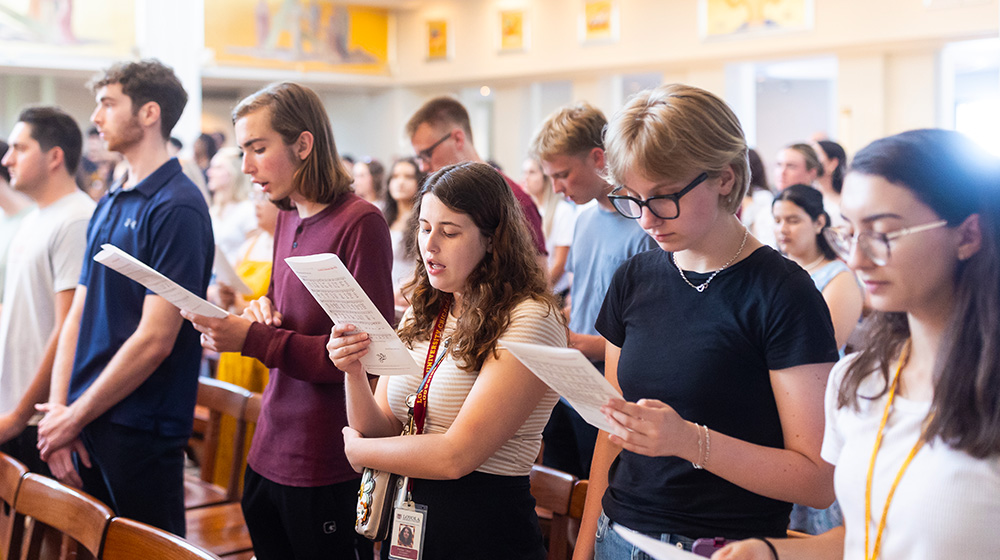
904,355
418,402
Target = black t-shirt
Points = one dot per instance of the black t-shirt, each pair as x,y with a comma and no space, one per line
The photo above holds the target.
708,355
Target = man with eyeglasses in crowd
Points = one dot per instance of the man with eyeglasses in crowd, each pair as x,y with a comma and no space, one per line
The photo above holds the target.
441,135
570,146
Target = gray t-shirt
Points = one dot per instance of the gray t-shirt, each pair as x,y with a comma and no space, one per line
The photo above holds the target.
45,257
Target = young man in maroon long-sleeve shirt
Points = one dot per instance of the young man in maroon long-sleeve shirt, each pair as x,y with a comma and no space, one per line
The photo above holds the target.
300,491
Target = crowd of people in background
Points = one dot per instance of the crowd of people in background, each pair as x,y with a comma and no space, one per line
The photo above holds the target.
716,302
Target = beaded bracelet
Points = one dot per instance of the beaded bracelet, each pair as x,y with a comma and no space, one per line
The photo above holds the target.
704,448
774,551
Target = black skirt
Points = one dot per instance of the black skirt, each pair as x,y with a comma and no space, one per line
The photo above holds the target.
479,516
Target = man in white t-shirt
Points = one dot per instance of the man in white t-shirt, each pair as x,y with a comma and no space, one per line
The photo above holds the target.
43,268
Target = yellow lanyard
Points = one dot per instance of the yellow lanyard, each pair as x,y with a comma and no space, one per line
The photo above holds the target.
871,467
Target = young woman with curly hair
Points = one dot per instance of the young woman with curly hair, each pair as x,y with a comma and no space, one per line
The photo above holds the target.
484,410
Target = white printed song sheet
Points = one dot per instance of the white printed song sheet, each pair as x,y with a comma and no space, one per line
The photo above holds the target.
570,374
116,259
657,549
343,299
226,274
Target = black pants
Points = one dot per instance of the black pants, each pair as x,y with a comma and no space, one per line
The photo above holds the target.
479,516
138,474
569,441
289,522
24,448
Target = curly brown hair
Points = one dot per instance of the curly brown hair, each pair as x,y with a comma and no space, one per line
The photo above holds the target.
144,81
505,277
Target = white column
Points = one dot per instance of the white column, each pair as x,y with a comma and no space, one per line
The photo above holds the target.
174,33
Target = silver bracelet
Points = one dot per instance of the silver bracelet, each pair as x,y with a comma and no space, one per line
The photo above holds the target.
704,449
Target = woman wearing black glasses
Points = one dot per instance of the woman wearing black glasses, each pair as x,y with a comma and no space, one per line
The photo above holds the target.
721,347
913,419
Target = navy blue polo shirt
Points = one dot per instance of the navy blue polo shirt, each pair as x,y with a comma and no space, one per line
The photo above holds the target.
164,222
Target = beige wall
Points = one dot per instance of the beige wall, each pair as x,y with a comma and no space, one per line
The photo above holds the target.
661,34
887,54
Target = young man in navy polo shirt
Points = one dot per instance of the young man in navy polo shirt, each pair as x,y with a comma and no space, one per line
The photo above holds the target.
126,370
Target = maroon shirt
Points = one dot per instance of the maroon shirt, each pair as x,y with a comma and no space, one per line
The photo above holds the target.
530,213
298,441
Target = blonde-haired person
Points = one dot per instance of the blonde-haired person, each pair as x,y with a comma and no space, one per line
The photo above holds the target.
570,146
232,211
721,347
300,491
480,420
912,420
558,221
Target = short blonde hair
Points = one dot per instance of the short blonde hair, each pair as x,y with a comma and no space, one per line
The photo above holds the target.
570,131
677,130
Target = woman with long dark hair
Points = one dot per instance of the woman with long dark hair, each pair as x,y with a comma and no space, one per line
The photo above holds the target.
913,419
477,280
405,178
799,225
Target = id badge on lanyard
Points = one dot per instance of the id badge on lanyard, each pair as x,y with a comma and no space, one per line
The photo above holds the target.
406,540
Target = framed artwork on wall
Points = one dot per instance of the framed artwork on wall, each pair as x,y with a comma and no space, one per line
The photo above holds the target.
743,18
513,31
438,40
599,21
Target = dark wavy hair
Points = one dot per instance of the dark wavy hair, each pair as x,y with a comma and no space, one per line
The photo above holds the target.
834,150
811,201
956,179
506,276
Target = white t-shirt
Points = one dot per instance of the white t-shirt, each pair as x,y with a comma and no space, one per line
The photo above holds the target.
402,264
761,218
563,223
530,321
231,226
45,257
947,504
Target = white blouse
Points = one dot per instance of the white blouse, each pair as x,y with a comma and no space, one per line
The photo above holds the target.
947,504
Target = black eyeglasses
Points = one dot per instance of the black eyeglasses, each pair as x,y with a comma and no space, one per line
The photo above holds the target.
663,206
425,154
874,244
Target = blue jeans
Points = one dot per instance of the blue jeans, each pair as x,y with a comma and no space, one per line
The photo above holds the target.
609,545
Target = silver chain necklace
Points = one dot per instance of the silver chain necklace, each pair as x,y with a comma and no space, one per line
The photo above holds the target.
704,285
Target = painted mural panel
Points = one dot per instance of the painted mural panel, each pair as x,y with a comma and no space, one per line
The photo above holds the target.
302,35
733,18
72,30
